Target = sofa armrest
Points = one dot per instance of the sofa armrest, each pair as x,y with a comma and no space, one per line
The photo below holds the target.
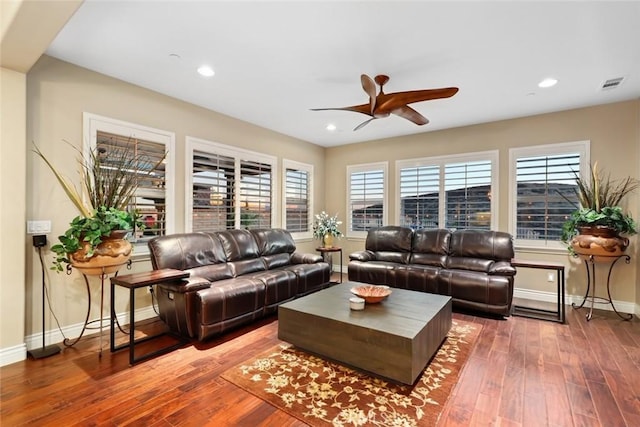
362,256
503,268
300,258
190,284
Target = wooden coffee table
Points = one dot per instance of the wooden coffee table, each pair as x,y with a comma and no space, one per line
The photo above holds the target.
394,339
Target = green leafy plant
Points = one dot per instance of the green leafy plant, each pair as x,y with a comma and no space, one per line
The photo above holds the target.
109,181
599,198
325,224
91,230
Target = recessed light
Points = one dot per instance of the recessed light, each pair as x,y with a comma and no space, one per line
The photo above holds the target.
206,71
548,82
331,127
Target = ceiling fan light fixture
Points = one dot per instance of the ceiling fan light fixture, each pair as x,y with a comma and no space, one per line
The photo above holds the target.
206,71
548,82
331,127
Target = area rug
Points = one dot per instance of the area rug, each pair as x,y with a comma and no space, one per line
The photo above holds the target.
320,393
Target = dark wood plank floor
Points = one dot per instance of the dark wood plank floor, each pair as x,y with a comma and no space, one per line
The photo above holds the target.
522,372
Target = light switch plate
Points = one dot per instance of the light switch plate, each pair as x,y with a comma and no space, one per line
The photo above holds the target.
39,227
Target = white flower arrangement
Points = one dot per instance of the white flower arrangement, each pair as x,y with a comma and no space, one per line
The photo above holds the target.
325,224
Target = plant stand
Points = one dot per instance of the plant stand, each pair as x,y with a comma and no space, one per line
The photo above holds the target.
591,260
103,276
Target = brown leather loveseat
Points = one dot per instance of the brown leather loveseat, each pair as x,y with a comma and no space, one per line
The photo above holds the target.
472,266
236,276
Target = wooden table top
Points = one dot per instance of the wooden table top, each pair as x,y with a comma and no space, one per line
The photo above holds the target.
149,277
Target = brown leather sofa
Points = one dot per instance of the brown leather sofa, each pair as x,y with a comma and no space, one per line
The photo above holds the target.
237,276
472,266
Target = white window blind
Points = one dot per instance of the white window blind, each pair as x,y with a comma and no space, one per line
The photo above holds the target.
366,198
453,192
545,194
255,194
419,196
468,195
297,219
150,198
213,177
230,188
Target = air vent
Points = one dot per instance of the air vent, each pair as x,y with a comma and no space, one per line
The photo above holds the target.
612,83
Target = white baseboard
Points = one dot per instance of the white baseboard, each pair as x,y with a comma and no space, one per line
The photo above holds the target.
19,352
552,297
13,354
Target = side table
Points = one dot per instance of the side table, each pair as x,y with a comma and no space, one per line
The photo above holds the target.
591,278
324,251
132,282
538,313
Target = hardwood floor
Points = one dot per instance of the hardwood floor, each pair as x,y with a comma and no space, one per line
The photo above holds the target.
522,372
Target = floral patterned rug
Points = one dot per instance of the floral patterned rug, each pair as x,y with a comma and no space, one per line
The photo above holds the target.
320,393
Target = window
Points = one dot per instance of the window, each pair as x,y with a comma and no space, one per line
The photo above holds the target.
454,192
543,190
230,188
367,192
154,198
297,199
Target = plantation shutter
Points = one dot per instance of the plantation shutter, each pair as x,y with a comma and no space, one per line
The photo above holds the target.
297,200
255,194
419,196
213,189
468,195
545,194
150,198
366,199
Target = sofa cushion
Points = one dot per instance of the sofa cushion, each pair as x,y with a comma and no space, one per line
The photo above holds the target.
389,238
475,291
227,299
495,245
477,250
274,241
186,251
280,286
276,260
374,272
311,277
430,247
416,277
212,272
246,266
238,244
390,243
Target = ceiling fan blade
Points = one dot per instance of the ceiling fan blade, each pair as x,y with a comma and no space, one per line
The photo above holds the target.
410,114
370,87
391,101
364,109
363,124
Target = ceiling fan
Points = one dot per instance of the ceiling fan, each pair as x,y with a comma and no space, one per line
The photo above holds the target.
384,104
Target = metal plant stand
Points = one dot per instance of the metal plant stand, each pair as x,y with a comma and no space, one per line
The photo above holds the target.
103,276
591,279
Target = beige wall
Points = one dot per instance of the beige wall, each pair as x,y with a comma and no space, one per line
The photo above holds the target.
57,95
614,132
13,240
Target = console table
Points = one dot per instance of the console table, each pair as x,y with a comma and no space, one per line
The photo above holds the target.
537,313
591,278
324,251
132,282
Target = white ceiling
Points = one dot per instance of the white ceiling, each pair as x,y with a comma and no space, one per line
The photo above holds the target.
276,60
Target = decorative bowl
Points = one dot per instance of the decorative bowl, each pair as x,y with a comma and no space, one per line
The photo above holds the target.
371,293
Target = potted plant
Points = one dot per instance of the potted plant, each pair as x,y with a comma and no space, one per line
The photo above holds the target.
96,241
597,225
325,228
